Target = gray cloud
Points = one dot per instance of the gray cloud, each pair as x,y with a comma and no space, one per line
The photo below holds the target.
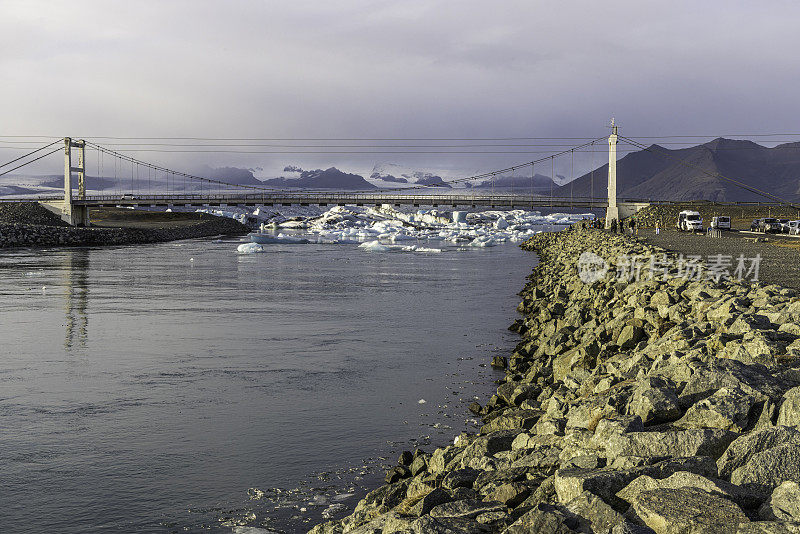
395,69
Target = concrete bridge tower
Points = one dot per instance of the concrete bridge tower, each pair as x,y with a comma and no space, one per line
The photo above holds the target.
612,212
74,215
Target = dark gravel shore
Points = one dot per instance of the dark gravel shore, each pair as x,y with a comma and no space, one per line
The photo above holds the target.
28,224
779,264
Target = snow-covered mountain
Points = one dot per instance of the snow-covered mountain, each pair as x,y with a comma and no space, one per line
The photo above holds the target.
393,174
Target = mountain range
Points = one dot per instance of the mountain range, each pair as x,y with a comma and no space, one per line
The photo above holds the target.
659,173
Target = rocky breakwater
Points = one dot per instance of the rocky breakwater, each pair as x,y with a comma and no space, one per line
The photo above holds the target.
652,405
36,235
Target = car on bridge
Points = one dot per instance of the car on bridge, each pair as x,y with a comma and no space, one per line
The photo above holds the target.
689,221
794,227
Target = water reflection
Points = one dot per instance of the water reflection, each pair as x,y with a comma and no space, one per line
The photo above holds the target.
75,272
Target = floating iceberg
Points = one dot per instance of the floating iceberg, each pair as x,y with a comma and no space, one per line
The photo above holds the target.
249,248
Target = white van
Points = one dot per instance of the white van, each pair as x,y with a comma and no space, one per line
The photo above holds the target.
722,222
690,221
794,227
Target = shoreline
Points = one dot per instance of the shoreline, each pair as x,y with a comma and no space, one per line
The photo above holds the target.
628,406
31,226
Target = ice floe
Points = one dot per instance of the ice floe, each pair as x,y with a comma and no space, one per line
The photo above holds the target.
389,229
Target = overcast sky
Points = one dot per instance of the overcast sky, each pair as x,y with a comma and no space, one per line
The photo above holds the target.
395,69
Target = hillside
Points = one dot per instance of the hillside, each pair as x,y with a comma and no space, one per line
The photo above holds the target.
331,178
522,183
662,174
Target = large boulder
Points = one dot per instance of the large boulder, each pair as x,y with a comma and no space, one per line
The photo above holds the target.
789,413
744,447
592,514
755,380
654,401
686,511
726,409
685,479
768,469
783,504
670,443
606,482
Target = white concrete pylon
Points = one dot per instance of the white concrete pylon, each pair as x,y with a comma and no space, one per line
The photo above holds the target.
612,212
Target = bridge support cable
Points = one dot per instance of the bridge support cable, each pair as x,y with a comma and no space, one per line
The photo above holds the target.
712,174
135,163
29,162
30,154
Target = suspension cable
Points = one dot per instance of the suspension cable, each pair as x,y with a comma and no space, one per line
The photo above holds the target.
30,154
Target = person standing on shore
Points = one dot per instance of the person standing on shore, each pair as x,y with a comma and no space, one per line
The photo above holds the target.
657,228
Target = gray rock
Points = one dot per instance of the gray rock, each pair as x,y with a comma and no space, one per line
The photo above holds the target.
626,527
511,494
487,446
493,478
768,469
515,392
783,504
592,514
460,478
684,479
629,337
419,465
512,419
396,523
435,498
395,494
606,482
769,527
744,447
397,473
542,459
670,443
465,509
654,402
726,409
441,458
686,511
755,380
543,519
576,363
789,413
433,525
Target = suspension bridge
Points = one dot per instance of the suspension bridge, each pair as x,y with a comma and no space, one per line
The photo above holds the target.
138,183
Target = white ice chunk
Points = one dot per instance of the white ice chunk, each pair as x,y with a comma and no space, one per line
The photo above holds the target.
249,248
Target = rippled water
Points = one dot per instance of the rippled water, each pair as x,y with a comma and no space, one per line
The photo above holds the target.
145,389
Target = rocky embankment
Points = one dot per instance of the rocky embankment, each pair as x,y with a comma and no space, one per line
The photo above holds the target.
36,235
642,406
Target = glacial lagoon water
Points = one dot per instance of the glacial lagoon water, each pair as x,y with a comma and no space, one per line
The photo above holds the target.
183,387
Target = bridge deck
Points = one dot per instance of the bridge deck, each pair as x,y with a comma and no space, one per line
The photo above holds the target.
324,199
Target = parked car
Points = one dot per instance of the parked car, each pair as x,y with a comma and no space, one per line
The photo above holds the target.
769,224
689,221
794,227
755,225
722,222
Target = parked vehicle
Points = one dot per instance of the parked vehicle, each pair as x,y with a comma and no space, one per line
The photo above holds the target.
689,221
769,225
784,225
755,225
722,222
794,227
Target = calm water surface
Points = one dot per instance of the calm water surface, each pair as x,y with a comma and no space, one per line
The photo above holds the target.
146,389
